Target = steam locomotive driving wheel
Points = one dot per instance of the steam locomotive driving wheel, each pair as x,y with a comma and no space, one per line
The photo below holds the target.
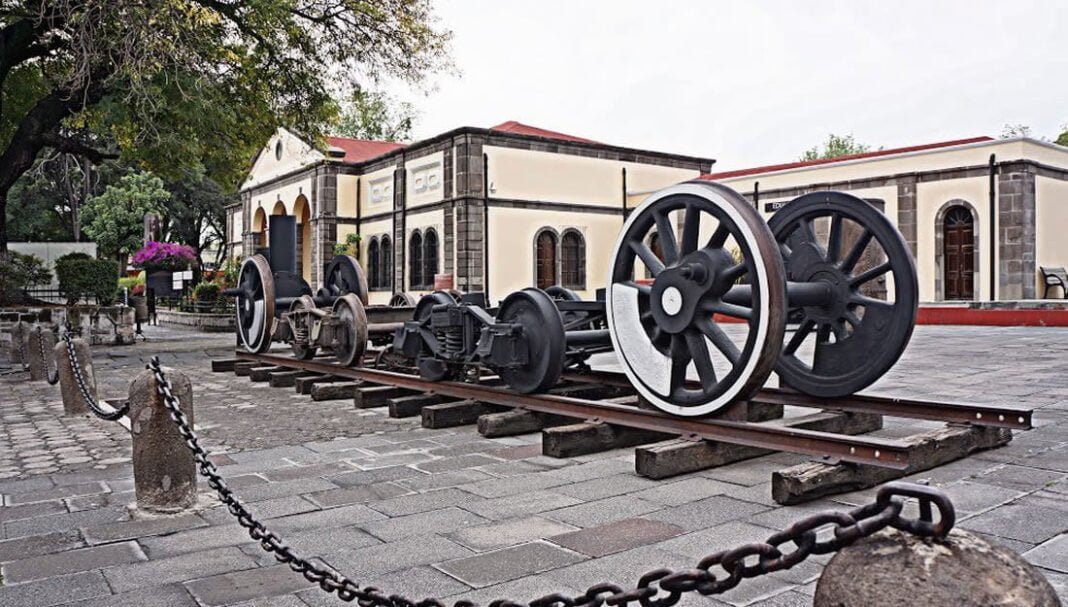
255,304
716,301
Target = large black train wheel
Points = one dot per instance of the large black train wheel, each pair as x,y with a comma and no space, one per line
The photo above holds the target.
843,347
696,240
543,332
254,307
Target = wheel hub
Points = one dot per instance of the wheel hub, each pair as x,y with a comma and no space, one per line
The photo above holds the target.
838,303
678,291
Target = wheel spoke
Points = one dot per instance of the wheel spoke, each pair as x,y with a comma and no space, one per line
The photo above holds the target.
840,332
733,273
702,358
869,275
808,234
834,238
680,359
799,336
719,236
852,318
691,229
735,311
870,302
645,290
649,258
823,335
853,256
719,339
665,232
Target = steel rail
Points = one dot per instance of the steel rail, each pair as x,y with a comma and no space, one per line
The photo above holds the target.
956,413
872,451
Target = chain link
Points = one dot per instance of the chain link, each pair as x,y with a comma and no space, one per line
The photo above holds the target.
87,396
51,376
658,588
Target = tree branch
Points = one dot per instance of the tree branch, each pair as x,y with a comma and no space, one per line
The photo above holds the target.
73,146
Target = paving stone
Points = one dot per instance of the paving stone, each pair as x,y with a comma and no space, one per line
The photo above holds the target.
975,497
54,493
698,544
1020,478
14,513
196,540
245,585
311,471
284,600
14,487
509,563
616,536
357,495
592,470
472,460
72,561
509,533
676,493
441,521
330,517
178,569
514,506
394,556
389,460
58,522
171,595
522,590
1031,524
422,502
514,485
319,543
421,582
599,512
62,590
285,489
272,508
708,512
342,444
271,454
623,568
37,545
1052,554
783,517
443,480
607,486
369,477
138,528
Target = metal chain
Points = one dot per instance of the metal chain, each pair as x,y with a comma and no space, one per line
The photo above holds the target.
76,369
52,377
658,588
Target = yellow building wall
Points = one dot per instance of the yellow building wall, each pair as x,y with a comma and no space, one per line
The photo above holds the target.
295,154
376,192
236,226
511,246
424,180
288,194
930,197
1051,224
346,195
1043,153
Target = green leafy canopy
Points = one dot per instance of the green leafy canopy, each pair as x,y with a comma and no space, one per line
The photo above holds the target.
115,218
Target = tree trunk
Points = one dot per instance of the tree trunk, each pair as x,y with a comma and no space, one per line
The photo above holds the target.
3,222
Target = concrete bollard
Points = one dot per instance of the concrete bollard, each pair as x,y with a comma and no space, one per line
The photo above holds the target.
165,474
892,568
20,332
73,402
40,350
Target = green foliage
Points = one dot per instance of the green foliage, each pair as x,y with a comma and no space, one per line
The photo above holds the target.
231,268
195,214
1010,131
129,282
834,147
18,272
84,278
376,116
1062,139
206,291
115,219
351,246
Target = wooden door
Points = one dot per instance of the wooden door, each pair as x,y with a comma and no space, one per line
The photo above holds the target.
958,242
545,249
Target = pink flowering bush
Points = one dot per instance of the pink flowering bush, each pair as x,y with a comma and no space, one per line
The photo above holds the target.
164,256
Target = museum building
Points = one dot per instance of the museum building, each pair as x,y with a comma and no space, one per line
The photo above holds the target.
513,206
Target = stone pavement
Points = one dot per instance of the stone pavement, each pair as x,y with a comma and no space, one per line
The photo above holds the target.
449,514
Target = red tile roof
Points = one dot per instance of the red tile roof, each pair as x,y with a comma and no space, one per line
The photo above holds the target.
358,150
807,163
523,129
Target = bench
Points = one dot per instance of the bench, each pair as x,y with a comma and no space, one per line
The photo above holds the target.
1055,277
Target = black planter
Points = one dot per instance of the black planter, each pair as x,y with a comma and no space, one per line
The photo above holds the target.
161,282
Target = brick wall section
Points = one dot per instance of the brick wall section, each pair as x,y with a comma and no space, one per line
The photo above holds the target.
323,202
470,231
400,246
1016,232
906,211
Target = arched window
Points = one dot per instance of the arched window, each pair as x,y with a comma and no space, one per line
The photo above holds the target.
654,246
386,263
374,277
430,256
545,258
415,260
573,260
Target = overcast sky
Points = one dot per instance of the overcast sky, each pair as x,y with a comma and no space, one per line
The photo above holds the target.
751,83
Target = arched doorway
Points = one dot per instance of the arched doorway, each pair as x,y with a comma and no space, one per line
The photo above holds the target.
958,253
259,229
545,259
302,212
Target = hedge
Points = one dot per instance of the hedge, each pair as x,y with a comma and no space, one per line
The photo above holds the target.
83,278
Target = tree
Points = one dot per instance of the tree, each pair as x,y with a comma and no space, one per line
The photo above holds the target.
1010,131
834,147
195,213
1062,139
169,84
375,116
115,219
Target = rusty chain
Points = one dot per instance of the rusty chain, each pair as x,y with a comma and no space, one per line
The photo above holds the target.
76,370
657,588
52,377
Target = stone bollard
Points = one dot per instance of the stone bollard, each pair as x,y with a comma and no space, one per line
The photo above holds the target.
892,568
20,333
40,350
165,474
73,402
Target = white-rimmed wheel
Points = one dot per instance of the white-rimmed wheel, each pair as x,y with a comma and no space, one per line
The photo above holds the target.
350,334
685,349
255,304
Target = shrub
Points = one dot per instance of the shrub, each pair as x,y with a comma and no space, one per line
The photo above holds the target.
164,256
206,291
83,278
231,269
351,246
129,282
19,272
